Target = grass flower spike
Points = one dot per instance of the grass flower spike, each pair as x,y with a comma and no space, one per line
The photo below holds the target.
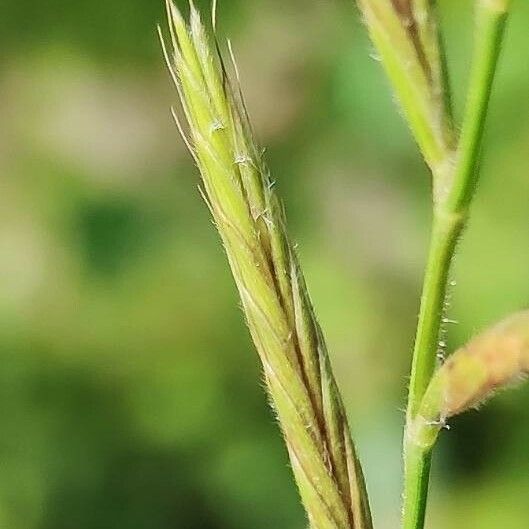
405,33
249,217
491,361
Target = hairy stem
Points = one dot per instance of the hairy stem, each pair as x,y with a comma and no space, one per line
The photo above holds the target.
450,214
446,230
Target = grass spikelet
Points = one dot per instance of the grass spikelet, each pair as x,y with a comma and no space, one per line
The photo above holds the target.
251,223
405,33
493,360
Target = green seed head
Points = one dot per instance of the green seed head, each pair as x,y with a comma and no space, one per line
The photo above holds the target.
249,217
405,34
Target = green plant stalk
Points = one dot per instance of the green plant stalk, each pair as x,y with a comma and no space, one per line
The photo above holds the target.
450,215
490,28
445,233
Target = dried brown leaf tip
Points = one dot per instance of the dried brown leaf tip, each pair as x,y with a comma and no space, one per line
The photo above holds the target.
493,360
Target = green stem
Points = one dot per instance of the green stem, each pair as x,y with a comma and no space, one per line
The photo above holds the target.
416,479
445,233
490,28
450,214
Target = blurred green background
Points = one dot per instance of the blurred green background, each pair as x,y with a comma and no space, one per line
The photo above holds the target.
130,395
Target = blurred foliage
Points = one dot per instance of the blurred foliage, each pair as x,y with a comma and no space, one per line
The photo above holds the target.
129,390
